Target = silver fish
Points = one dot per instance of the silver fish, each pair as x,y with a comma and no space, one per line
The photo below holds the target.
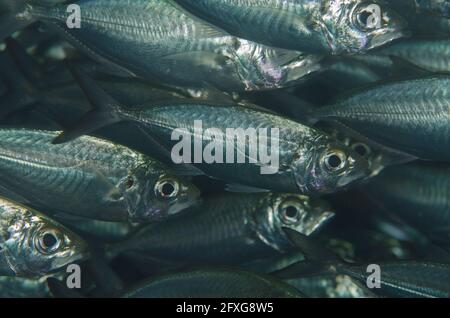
418,194
90,177
412,116
315,26
32,245
156,40
309,161
431,55
230,229
220,283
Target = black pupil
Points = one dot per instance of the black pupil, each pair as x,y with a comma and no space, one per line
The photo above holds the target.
129,183
291,211
334,161
364,17
361,150
167,189
49,240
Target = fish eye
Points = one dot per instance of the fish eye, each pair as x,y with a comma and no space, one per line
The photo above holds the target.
290,212
167,188
363,18
367,17
129,182
361,149
335,161
48,242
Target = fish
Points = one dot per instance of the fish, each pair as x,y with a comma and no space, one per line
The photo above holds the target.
430,55
378,156
33,245
313,26
215,283
309,161
89,177
166,44
229,229
425,279
411,116
417,193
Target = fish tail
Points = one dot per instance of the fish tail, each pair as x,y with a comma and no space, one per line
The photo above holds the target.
106,110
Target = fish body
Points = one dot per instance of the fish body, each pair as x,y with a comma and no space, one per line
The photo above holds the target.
391,279
303,153
436,7
302,160
313,26
377,155
418,194
431,55
411,116
420,8
230,229
91,177
215,283
158,41
408,279
32,245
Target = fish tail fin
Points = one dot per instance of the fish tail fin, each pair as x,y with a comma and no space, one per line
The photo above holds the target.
14,15
106,109
318,259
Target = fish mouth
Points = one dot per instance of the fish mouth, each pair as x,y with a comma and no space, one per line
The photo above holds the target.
183,204
78,254
189,198
81,252
359,171
317,222
147,215
388,37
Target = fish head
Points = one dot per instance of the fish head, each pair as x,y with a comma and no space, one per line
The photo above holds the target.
300,213
152,195
35,245
327,166
294,211
374,158
355,26
363,149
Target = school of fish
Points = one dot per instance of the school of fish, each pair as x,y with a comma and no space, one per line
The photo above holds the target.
105,103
